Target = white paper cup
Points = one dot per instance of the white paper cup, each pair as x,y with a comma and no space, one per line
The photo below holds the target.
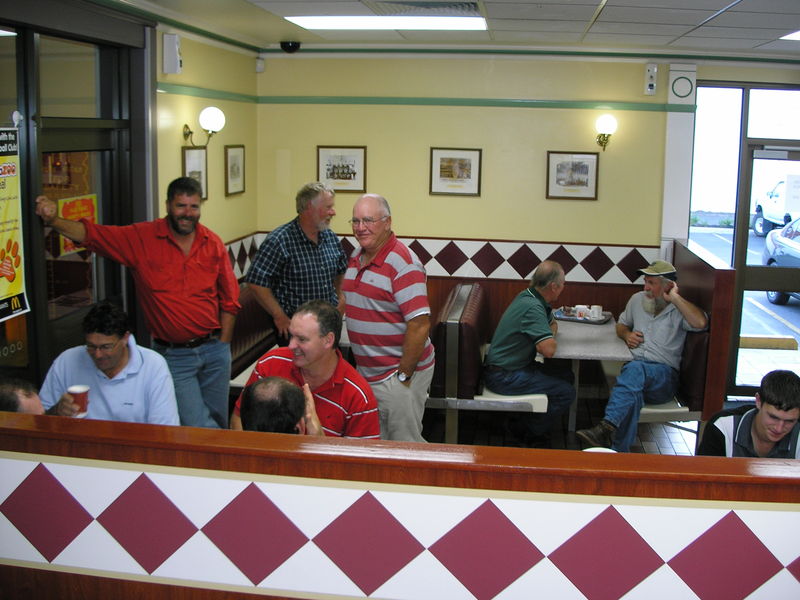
581,311
80,396
596,312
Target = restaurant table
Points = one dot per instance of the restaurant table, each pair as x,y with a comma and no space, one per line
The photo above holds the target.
588,341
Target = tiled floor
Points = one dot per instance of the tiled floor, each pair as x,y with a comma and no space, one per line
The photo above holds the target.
491,429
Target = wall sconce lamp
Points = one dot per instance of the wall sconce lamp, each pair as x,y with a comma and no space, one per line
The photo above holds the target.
211,119
605,125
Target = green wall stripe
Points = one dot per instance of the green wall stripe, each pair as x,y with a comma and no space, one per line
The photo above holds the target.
483,102
188,90
198,92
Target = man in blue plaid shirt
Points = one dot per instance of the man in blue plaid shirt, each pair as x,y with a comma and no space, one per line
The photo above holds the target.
300,261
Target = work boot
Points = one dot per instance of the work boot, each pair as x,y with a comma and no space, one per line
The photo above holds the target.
599,436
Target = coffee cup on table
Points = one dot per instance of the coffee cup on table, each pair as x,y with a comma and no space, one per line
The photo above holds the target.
80,396
596,312
581,311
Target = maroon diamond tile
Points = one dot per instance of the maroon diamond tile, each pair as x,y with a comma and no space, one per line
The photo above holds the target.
44,512
727,561
241,258
794,568
606,558
422,254
597,263
252,249
487,259
563,257
146,523
524,261
368,543
231,257
254,534
631,263
451,257
486,552
347,246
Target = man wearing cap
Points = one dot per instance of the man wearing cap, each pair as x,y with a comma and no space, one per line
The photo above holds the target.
653,325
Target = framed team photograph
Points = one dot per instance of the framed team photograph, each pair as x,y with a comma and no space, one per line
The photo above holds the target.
456,171
234,170
344,168
195,165
572,175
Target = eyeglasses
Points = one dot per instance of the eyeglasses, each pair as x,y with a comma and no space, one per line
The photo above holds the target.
367,221
91,348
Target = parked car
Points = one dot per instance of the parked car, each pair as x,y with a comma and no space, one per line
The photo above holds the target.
782,249
777,207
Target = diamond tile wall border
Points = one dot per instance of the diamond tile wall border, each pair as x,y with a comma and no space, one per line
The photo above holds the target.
388,541
496,259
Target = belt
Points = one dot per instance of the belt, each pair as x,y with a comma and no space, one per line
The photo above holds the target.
192,343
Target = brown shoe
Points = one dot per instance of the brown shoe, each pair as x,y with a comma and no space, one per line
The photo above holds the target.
599,436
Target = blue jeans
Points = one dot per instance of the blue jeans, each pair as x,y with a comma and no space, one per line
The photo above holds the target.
202,378
638,379
553,378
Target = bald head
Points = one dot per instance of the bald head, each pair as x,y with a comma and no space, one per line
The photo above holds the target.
548,280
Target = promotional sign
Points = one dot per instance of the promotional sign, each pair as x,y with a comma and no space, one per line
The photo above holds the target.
13,301
79,207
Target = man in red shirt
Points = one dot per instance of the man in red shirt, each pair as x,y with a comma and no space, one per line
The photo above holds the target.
344,401
187,291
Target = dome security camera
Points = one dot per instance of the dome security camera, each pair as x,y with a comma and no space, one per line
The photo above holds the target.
290,47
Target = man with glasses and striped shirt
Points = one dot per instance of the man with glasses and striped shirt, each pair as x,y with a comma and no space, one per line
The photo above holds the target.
388,320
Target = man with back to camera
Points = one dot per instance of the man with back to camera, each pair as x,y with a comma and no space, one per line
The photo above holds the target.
526,328
277,405
768,430
654,326
344,401
18,395
300,261
126,382
388,320
186,289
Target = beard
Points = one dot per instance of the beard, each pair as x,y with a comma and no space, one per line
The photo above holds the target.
183,225
653,305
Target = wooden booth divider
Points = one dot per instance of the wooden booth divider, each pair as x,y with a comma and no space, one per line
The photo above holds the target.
104,509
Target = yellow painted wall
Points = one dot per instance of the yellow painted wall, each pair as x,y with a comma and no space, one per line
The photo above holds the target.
281,139
514,142
217,69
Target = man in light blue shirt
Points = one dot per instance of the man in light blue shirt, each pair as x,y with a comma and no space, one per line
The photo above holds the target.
126,382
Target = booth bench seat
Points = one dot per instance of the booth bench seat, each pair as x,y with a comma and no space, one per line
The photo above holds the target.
253,334
459,334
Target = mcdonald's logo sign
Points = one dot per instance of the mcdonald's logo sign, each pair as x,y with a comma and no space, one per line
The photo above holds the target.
15,303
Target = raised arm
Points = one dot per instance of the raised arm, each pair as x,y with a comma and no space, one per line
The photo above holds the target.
48,211
693,315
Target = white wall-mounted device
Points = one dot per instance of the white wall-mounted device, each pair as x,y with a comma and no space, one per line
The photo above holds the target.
172,53
650,77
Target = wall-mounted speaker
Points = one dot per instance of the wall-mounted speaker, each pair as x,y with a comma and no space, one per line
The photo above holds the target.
172,53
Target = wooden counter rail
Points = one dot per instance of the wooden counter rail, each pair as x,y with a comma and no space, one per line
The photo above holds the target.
730,481
440,465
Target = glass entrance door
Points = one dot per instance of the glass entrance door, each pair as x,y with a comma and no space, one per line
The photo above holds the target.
770,312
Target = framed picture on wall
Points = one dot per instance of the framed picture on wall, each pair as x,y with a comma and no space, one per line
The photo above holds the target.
344,168
456,171
234,170
195,166
572,175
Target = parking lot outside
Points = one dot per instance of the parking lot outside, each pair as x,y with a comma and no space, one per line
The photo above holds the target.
760,318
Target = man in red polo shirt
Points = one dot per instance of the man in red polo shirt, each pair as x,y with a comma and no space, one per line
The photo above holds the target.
186,288
344,401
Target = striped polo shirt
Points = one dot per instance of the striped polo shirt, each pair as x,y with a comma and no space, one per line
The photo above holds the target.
381,297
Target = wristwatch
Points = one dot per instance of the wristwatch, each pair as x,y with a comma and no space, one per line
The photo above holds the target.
402,377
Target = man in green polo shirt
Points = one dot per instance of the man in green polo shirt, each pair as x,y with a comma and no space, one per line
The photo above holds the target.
526,329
